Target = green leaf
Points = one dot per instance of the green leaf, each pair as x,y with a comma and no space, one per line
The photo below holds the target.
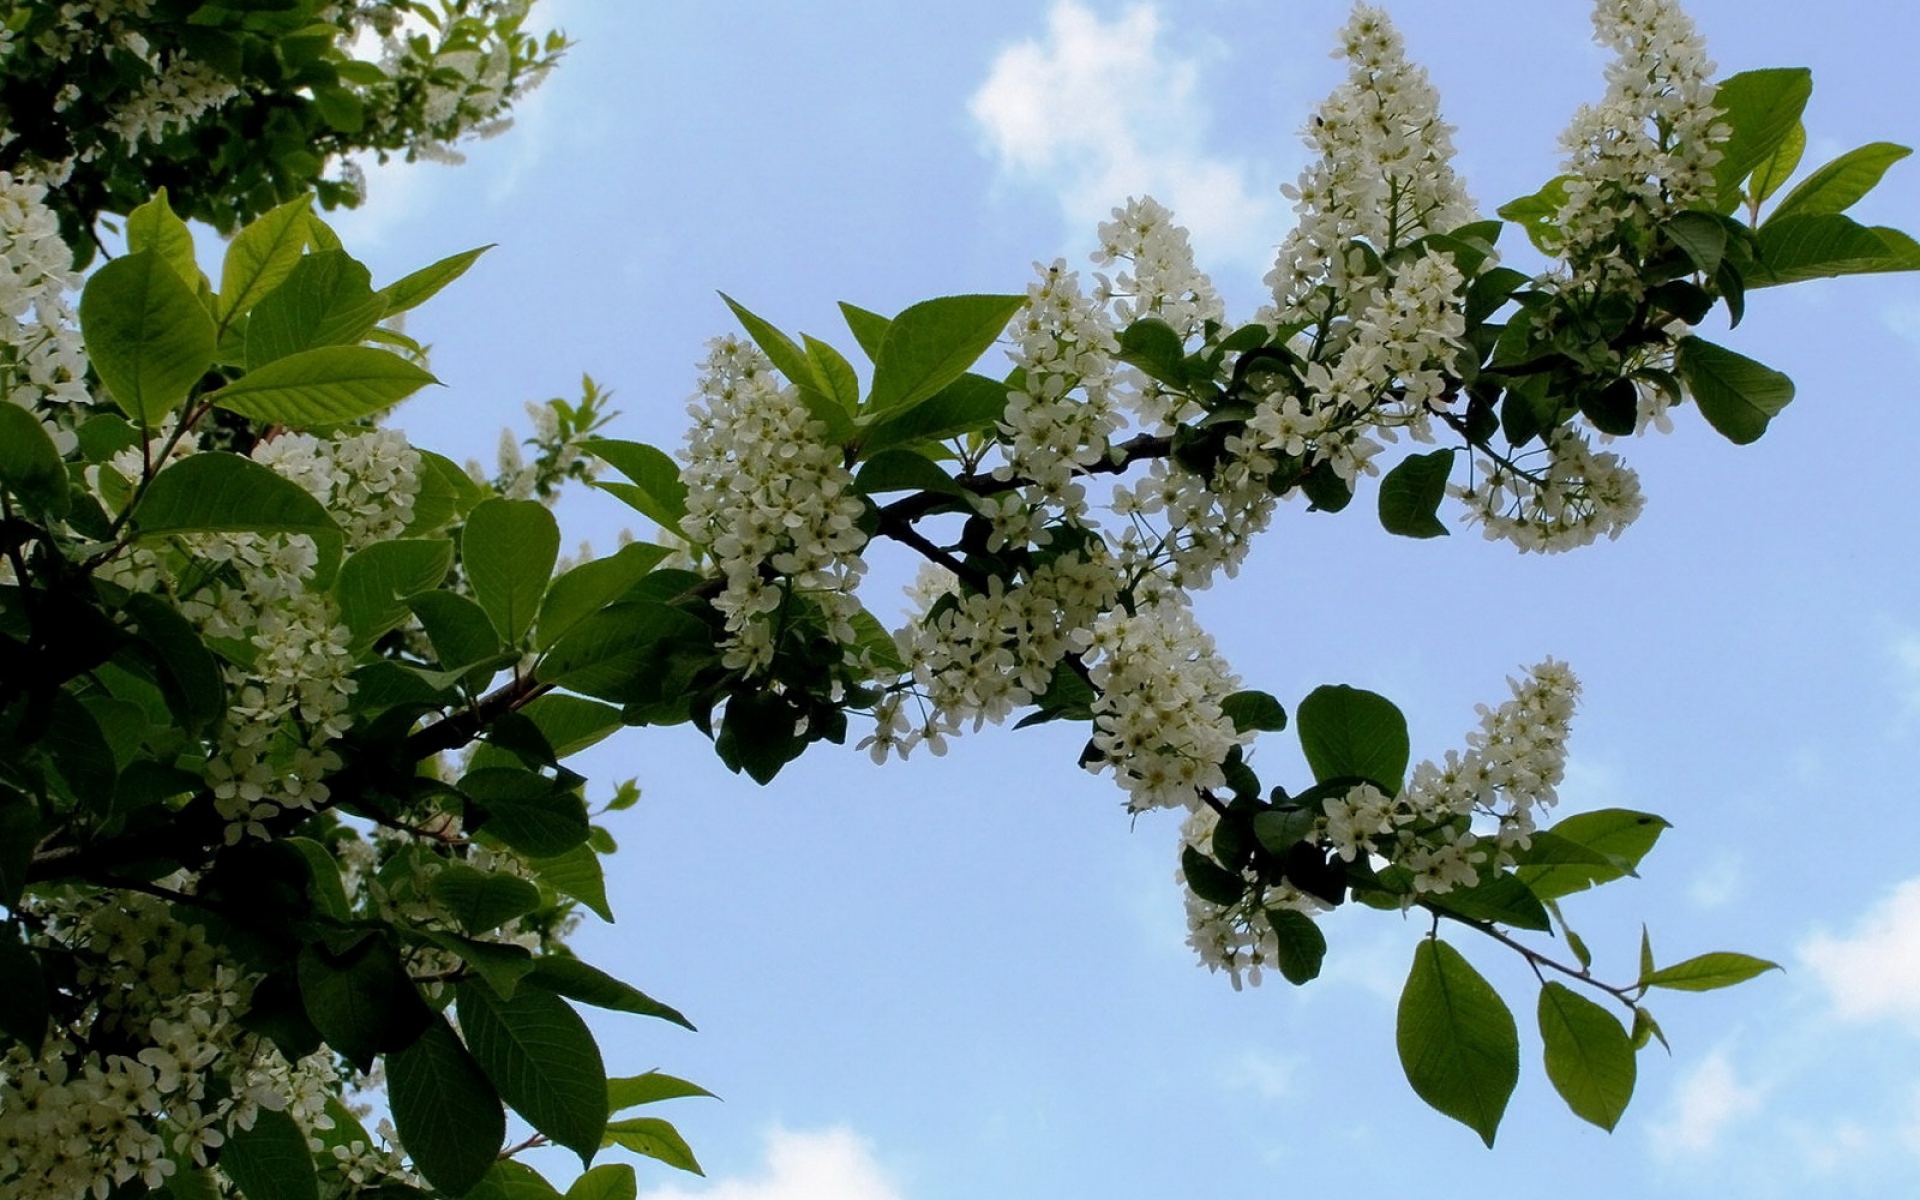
592,586
341,109
328,385
1589,1056
531,813
932,344
1701,237
1300,946
970,404
656,490
445,1110
1775,169
270,1161
507,551
153,226
758,734
410,291
352,998
1411,493
578,874
787,358
1619,837
1254,710
834,374
1501,900
461,632
1840,184
324,885
261,256
1736,395
903,471
1761,110
1457,1040
482,900
873,640
570,724
650,1088
654,1138
1538,215
30,467
869,328
1347,733
375,581
1280,829
588,984
625,653
1826,245
1209,880
502,965
1152,345
510,1180
608,1181
1708,972
542,1059
1645,1029
217,492
146,333
326,300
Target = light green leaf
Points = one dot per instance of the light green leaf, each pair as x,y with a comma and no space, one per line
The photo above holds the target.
932,344
376,580
445,1109
578,874
1761,110
218,492
328,385
542,1059
650,1088
326,300
1840,184
1736,395
786,357
654,1138
592,586
270,1161
833,374
1614,839
608,1181
511,1180
1707,972
1347,732
261,256
30,467
1538,215
869,328
1589,1055
410,291
482,900
1411,493
588,984
507,551
970,404
656,489
153,226
1457,1040
146,334
1826,245
1775,169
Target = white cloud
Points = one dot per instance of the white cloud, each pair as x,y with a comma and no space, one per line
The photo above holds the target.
1099,111
833,1164
1874,972
1704,1105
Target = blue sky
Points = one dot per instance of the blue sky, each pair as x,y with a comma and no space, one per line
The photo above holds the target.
965,977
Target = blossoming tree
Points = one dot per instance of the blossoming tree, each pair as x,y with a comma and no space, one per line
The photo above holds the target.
287,838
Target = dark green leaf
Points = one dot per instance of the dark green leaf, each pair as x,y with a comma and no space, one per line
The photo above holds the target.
23,1001
1299,945
188,674
30,467
1347,732
1736,395
623,653
1281,829
970,404
1411,493
413,290
932,344
375,581
758,734
656,490
1708,972
218,492
461,632
1589,1056
270,1161
590,985
654,1138
903,471
482,900
507,551
354,997
20,831
542,1059
326,300
1457,1040
328,385
1209,880
1152,345
146,333
1254,710
502,965
578,874
1826,245
511,1180
529,812
445,1110
591,586
1837,186
1501,900
1701,237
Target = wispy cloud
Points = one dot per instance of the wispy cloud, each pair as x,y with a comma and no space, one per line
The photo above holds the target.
1873,973
1706,1104
832,1164
1097,111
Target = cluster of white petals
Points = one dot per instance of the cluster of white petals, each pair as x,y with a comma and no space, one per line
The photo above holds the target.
1157,720
1059,419
1568,501
1237,939
770,501
42,364
1159,278
1646,150
179,92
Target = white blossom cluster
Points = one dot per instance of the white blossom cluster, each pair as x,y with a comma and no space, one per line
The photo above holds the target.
179,92
1568,501
367,480
42,364
463,86
1157,720
1059,419
1236,939
1185,527
770,501
1647,150
1159,278
1383,176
